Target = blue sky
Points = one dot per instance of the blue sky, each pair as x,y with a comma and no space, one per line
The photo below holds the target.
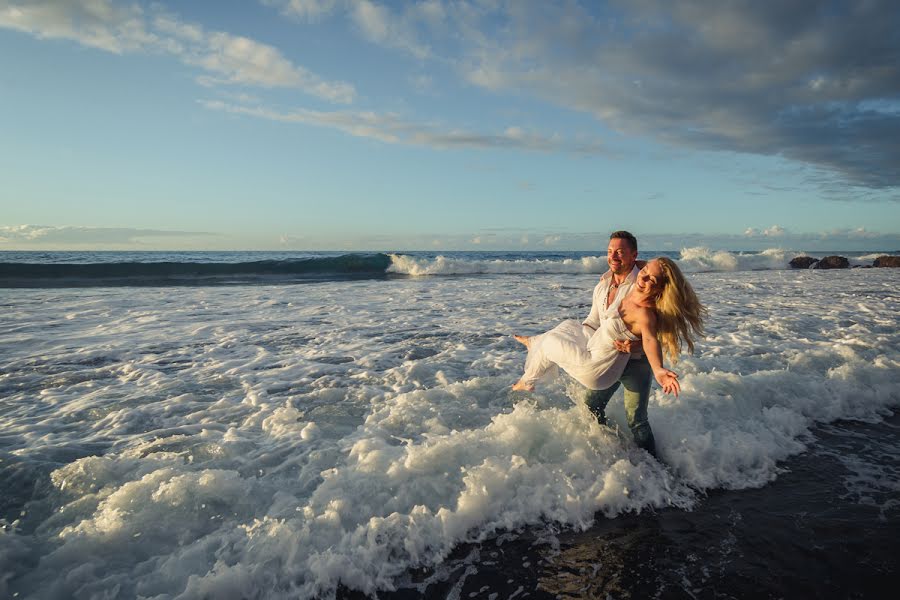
355,124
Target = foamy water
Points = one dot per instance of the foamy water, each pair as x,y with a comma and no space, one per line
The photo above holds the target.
692,260
273,442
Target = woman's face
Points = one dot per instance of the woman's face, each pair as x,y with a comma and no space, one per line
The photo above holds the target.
650,278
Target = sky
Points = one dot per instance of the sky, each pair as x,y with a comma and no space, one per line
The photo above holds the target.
449,125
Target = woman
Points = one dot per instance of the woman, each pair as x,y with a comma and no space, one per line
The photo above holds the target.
661,310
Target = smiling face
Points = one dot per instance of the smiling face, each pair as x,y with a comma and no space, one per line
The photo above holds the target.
650,279
620,256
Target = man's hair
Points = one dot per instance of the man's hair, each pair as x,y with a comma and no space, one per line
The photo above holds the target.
624,235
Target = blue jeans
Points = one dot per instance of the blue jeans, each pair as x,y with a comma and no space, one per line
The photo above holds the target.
636,378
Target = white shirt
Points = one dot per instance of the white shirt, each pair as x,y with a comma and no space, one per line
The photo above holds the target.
601,293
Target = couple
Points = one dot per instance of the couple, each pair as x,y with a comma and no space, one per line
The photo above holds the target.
639,310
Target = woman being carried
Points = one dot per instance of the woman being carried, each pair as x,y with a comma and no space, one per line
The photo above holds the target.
661,310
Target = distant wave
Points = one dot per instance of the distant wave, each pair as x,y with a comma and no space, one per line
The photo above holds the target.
701,259
222,268
347,266
442,265
690,259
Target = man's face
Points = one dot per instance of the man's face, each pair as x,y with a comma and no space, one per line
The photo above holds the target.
620,256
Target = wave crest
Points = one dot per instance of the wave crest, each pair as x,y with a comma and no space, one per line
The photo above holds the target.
701,258
405,264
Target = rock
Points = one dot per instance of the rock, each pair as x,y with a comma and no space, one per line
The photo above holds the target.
833,262
887,261
803,262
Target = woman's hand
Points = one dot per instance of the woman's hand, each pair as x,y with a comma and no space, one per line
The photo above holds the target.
668,380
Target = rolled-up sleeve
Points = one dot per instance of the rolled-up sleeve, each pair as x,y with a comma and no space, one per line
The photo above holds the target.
593,319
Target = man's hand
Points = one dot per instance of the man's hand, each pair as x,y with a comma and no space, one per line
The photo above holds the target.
627,346
668,380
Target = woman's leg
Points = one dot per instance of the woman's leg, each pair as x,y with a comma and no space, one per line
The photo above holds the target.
560,346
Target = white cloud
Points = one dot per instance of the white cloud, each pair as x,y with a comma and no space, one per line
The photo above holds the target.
850,239
225,58
392,129
770,232
286,239
860,233
379,25
240,60
95,23
431,12
794,80
552,240
308,10
65,235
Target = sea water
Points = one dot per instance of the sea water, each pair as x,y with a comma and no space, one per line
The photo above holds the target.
353,435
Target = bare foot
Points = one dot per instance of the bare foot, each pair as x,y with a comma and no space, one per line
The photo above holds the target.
519,386
524,340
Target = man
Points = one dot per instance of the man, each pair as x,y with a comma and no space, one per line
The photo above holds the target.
621,255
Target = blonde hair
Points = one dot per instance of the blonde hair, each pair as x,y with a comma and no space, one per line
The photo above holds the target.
679,314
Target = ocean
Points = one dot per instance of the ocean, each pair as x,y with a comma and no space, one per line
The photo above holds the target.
241,425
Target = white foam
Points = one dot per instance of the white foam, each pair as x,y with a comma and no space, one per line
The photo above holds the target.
277,441
692,260
442,265
701,259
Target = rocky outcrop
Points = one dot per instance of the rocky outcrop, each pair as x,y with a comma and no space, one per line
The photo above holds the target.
833,262
803,262
887,261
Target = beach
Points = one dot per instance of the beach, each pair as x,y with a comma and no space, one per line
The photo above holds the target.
321,434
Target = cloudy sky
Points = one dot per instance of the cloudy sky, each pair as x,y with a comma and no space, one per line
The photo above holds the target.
439,124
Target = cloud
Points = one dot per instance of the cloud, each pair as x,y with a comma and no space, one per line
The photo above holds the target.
835,240
49,234
771,232
375,21
307,10
286,239
222,57
813,81
98,24
392,129
379,25
848,239
799,80
552,240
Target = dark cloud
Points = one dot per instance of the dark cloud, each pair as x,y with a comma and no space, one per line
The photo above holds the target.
812,81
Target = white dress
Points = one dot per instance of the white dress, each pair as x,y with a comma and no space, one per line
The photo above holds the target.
588,356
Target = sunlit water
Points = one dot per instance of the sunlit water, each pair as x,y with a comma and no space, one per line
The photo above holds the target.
293,441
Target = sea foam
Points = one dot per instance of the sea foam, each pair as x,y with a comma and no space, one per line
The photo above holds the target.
279,441
695,259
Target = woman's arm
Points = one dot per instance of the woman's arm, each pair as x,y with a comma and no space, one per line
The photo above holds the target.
666,378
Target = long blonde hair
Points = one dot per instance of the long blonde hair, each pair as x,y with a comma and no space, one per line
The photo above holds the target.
679,314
